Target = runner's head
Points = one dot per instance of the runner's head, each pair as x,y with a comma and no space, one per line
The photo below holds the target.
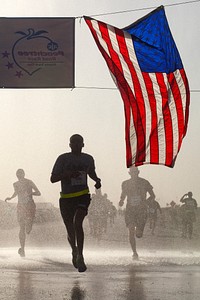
133,171
76,143
20,173
190,194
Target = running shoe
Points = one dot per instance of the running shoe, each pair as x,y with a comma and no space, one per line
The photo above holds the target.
81,264
21,252
135,256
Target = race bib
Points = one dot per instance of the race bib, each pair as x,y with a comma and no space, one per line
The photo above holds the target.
80,180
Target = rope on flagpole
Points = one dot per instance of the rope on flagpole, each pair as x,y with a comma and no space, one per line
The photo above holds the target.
138,9
95,88
109,88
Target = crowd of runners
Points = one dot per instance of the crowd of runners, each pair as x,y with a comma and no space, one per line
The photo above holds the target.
137,199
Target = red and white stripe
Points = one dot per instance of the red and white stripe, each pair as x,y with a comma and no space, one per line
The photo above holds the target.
156,104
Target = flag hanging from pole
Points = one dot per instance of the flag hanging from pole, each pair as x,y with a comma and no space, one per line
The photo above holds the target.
146,66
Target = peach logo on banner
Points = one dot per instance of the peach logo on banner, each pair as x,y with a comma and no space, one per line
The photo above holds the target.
35,57
31,60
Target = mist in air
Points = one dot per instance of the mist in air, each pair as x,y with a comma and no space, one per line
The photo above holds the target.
106,239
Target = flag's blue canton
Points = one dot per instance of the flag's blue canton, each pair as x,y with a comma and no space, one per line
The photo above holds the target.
154,45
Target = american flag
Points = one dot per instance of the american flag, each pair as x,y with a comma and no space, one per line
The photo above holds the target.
145,64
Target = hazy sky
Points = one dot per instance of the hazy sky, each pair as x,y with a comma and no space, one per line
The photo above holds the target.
35,124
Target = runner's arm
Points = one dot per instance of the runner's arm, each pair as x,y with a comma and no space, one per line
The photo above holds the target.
151,194
182,198
13,196
36,191
123,195
195,203
159,208
92,174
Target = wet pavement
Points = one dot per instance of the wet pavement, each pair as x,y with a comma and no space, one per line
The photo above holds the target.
111,275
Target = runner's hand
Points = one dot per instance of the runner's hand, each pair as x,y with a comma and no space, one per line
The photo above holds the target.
121,203
8,198
98,184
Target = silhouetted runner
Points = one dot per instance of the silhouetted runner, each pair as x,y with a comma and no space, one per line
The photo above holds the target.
153,207
135,191
72,170
188,213
24,189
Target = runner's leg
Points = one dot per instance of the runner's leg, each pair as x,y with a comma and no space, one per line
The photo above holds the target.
67,212
190,229
140,220
153,225
78,223
132,239
22,235
30,215
70,233
184,228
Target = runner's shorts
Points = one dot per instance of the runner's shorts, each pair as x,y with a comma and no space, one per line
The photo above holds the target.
69,206
137,216
26,212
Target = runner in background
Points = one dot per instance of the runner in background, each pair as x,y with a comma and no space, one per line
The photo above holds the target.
24,189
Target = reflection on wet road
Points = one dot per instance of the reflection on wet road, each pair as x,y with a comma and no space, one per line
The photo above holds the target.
111,275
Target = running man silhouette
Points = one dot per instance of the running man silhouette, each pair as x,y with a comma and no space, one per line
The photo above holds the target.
135,190
24,189
188,210
72,169
153,207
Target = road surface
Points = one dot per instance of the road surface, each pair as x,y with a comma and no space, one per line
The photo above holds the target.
47,273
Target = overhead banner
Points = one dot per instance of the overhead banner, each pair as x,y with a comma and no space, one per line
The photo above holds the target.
37,52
